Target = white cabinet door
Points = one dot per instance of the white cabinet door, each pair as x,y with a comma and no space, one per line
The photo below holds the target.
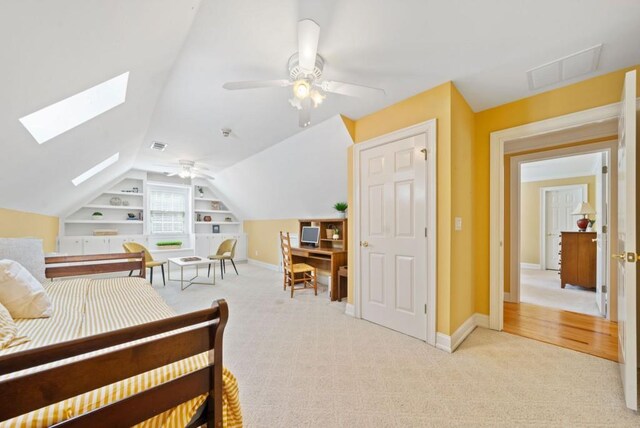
241,247
203,244
116,243
70,245
95,245
216,240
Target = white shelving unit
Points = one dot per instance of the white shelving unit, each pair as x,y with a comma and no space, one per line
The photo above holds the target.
77,229
115,204
229,226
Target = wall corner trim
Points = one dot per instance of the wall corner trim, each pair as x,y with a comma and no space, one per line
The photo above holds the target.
451,343
350,310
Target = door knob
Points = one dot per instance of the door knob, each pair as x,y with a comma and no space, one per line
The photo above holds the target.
364,244
621,256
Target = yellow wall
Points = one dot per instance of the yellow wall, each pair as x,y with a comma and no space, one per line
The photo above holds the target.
601,90
455,133
530,221
18,224
263,239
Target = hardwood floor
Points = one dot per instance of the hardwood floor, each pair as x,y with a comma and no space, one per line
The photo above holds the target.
583,333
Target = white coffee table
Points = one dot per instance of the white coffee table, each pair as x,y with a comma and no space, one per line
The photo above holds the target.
179,261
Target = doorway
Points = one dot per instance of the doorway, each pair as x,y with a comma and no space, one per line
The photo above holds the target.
561,265
395,208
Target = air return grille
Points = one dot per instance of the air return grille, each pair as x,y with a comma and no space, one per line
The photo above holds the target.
566,68
157,145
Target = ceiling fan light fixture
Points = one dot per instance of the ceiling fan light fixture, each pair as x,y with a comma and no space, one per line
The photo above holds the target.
317,97
301,89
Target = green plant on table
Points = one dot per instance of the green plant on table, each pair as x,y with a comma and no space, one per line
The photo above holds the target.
168,243
341,206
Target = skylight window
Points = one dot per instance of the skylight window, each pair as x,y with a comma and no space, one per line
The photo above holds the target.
64,115
96,169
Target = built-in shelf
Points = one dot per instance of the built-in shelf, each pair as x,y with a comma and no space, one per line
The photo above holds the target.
332,240
207,199
220,222
213,211
114,207
117,192
104,221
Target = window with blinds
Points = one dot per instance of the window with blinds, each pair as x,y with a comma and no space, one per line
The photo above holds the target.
168,211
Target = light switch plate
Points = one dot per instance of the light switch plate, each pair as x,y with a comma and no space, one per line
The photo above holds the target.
458,223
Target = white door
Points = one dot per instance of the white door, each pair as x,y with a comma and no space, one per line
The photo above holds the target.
601,225
392,228
95,245
70,246
626,252
203,248
559,205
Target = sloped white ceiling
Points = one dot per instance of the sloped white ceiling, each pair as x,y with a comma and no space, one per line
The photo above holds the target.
54,49
302,177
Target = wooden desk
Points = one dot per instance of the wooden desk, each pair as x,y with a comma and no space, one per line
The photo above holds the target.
326,259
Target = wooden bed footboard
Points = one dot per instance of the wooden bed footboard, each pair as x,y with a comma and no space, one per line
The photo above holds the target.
31,391
77,265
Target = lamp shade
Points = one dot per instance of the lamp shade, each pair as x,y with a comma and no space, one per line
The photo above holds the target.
583,208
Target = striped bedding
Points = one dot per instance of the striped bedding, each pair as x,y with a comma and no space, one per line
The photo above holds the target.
84,307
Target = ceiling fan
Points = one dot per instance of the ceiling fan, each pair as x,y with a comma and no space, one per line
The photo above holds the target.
187,169
305,75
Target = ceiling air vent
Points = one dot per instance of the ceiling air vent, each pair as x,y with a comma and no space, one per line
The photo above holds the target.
566,68
157,145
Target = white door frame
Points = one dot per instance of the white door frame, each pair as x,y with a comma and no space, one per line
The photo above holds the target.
506,141
543,215
429,129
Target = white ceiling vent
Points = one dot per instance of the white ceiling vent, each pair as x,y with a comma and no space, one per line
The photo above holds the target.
566,68
157,145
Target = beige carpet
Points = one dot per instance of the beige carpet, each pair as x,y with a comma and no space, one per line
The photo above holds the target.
542,288
302,363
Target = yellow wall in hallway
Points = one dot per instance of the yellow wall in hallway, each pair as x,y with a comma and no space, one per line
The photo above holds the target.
263,238
595,92
530,220
19,224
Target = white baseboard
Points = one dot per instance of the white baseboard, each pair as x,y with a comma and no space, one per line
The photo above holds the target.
350,310
481,320
450,343
264,265
507,296
530,266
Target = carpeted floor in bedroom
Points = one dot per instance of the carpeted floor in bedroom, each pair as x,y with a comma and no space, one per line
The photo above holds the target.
302,363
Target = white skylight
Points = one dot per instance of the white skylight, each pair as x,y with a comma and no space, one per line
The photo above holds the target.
64,115
96,169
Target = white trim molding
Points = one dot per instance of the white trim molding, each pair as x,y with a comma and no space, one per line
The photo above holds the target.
524,265
451,343
350,310
264,265
510,141
429,129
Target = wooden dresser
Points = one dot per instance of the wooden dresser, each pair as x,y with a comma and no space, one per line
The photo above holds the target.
578,259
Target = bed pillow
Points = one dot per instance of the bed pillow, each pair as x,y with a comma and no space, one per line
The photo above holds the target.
26,251
21,293
8,330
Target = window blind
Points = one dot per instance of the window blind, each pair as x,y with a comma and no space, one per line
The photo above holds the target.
167,210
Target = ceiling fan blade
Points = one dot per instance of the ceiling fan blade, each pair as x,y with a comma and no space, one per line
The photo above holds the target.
308,36
304,118
254,84
200,168
350,89
203,175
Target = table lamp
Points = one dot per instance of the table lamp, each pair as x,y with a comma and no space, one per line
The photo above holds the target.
583,209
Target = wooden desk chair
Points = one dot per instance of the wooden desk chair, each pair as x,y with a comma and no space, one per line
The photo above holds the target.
226,251
309,274
134,247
